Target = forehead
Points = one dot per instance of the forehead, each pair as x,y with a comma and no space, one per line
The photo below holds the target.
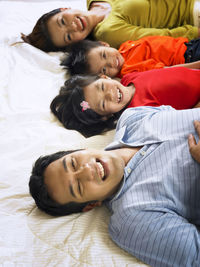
81,154
96,51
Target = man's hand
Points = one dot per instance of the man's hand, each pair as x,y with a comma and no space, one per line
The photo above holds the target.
193,146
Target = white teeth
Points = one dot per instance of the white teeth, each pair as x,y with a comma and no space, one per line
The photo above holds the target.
101,169
119,95
80,22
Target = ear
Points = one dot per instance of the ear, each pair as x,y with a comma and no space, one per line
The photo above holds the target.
104,43
105,118
91,206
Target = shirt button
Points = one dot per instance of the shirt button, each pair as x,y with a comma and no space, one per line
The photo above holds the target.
142,152
129,170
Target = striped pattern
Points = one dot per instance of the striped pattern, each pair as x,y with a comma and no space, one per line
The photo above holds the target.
156,212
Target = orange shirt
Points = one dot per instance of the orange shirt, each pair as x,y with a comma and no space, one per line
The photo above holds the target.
152,52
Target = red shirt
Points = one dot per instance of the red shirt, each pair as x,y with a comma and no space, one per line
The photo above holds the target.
152,52
178,87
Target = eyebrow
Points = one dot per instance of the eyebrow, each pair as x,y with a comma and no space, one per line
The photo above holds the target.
60,27
72,191
64,164
101,109
97,86
64,39
101,54
58,22
70,185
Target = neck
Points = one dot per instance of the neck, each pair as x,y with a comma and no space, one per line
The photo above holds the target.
127,153
100,10
132,88
131,92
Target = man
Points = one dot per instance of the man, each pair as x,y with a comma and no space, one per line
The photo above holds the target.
147,178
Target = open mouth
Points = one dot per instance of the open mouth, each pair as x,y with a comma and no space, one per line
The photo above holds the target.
119,95
81,23
119,62
102,170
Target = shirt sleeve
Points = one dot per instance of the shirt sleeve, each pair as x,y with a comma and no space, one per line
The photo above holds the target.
144,65
132,116
160,239
157,124
130,32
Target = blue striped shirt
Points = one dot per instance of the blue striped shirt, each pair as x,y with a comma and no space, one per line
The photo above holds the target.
156,211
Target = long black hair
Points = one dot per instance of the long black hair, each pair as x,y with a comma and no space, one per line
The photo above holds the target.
40,37
66,107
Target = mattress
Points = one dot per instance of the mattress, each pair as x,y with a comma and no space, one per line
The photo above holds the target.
29,80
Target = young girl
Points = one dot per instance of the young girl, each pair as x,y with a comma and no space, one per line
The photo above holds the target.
92,104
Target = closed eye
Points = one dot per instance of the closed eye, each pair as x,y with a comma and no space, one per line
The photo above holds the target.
79,188
104,70
103,105
62,21
102,87
69,37
73,164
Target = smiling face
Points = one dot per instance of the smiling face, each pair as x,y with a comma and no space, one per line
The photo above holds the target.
107,96
69,25
84,176
109,60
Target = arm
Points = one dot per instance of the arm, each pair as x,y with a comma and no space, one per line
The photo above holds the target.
156,123
192,65
194,147
115,37
160,239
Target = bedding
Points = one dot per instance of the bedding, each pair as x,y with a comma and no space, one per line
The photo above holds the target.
29,80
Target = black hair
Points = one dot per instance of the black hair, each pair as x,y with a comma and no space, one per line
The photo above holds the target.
66,107
40,37
38,189
76,60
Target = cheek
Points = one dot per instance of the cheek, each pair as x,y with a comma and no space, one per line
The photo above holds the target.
114,72
79,36
94,192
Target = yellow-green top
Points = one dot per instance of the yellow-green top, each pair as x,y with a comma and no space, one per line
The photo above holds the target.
133,19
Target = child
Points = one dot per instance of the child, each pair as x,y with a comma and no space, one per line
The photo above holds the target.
152,52
92,104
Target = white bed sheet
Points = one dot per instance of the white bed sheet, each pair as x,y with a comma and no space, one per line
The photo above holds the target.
29,79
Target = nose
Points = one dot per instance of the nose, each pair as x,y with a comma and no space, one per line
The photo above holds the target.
109,94
73,27
110,64
70,22
85,172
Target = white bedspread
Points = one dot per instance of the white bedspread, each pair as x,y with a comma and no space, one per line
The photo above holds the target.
29,79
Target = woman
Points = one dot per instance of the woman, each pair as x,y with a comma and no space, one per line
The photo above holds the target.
116,21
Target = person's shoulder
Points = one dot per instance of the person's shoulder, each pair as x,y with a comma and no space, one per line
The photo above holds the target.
135,114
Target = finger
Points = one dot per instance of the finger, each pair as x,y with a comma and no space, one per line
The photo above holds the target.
191,141
197,127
